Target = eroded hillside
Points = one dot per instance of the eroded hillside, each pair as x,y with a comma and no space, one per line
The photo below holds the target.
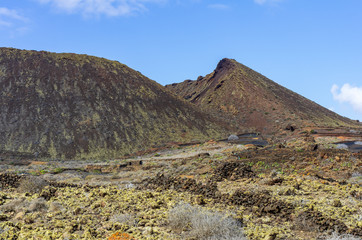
79,106
254,101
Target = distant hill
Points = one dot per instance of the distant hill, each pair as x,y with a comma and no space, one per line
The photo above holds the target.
79,106
254,101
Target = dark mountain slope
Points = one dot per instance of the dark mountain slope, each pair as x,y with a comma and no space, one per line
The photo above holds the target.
254,100
79,106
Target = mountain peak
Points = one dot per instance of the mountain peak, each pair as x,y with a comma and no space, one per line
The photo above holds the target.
226,63
253,100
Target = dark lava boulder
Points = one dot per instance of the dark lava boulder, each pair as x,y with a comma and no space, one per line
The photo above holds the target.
232,171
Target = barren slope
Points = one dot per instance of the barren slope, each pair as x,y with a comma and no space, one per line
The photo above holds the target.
254,101
79,106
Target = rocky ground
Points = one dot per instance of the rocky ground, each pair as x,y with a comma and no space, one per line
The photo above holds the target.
300,187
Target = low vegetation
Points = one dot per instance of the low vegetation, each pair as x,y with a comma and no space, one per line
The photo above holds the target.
232,192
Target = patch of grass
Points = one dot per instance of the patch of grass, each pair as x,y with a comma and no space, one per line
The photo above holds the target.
250,164
260,164
261,175
58,170
218,156
34,173
346,164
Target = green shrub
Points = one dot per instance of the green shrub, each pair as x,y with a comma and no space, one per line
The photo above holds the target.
58,170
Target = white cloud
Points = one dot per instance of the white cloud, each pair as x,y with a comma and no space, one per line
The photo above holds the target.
8,16
218,6
348,94
101,7
11,14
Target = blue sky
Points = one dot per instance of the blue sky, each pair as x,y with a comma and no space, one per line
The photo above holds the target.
311,47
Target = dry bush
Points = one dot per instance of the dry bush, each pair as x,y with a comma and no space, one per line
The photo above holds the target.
14,205
22,204
55,207
127,219
335,236
37,205
180,216
204,224
32,184
213,225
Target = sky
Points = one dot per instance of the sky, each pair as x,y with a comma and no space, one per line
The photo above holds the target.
313,48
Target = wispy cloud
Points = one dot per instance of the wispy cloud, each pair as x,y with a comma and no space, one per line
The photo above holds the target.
9,16
12,23
109,8
218,6
261,2
348,94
